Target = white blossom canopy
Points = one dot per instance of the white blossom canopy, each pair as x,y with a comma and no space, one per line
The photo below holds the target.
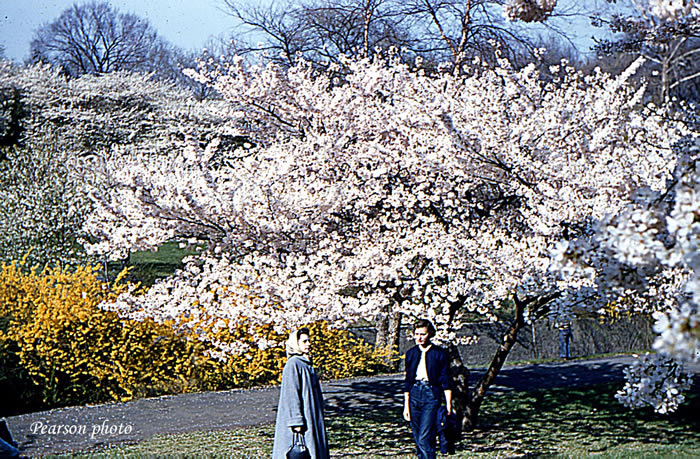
384,189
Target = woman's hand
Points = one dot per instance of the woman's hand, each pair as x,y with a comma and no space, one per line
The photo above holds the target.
406,413
448,401
298,429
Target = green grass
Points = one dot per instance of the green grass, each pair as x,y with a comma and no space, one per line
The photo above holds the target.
168,253
148,266
549,423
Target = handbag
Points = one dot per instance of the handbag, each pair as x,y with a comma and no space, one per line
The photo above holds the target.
298,450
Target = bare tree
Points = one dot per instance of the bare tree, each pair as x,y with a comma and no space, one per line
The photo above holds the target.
352,27
277,24
94,38
321,30
437,31
671,46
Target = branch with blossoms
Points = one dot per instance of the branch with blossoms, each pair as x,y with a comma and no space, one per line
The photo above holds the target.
647,255
654,380
664,33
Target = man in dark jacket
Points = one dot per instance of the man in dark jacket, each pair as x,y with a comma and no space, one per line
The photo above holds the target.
427,381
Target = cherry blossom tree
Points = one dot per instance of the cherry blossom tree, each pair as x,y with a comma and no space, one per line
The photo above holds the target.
100,113
387,193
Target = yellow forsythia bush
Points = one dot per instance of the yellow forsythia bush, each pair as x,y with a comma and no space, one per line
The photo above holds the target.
255,366
61,348
75,352
336,353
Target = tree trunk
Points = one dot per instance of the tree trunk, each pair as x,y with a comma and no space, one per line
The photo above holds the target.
471,413
459,374
472,402
388,330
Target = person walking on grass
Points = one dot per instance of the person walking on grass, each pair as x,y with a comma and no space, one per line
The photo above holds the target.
300,408
426,384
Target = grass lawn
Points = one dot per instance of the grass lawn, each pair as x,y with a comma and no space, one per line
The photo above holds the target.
148,266
552,423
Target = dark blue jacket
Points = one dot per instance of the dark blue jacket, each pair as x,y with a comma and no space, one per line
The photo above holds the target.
448,430
437,362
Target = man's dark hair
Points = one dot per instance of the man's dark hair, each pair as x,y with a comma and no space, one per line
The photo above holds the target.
425,323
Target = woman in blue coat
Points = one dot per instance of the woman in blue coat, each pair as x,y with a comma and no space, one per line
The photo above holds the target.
300,407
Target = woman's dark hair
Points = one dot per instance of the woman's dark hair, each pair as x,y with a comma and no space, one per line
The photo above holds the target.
424,323
303,331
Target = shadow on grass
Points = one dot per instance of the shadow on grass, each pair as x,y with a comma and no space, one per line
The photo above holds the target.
367,420
539,422
365,397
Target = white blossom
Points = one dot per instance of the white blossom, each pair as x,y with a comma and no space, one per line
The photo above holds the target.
656,381
673,9
528,10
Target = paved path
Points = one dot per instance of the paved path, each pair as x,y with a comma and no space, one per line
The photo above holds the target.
89,427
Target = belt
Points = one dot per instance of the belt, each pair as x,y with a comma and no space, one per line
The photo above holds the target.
422,382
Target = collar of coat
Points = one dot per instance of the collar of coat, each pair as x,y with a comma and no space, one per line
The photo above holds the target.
303,357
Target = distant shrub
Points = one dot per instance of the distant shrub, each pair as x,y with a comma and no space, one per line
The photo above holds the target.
338,354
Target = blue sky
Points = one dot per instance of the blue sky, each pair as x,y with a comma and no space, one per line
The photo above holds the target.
186,23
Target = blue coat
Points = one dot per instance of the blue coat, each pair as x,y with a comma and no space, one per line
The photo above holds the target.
437,363
301,404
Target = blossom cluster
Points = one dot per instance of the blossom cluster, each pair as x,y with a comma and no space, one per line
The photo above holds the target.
648,254
656,381
674,9
528,10
95,114
679,332
42,208
385,190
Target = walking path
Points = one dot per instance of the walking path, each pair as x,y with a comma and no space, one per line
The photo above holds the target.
89,427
